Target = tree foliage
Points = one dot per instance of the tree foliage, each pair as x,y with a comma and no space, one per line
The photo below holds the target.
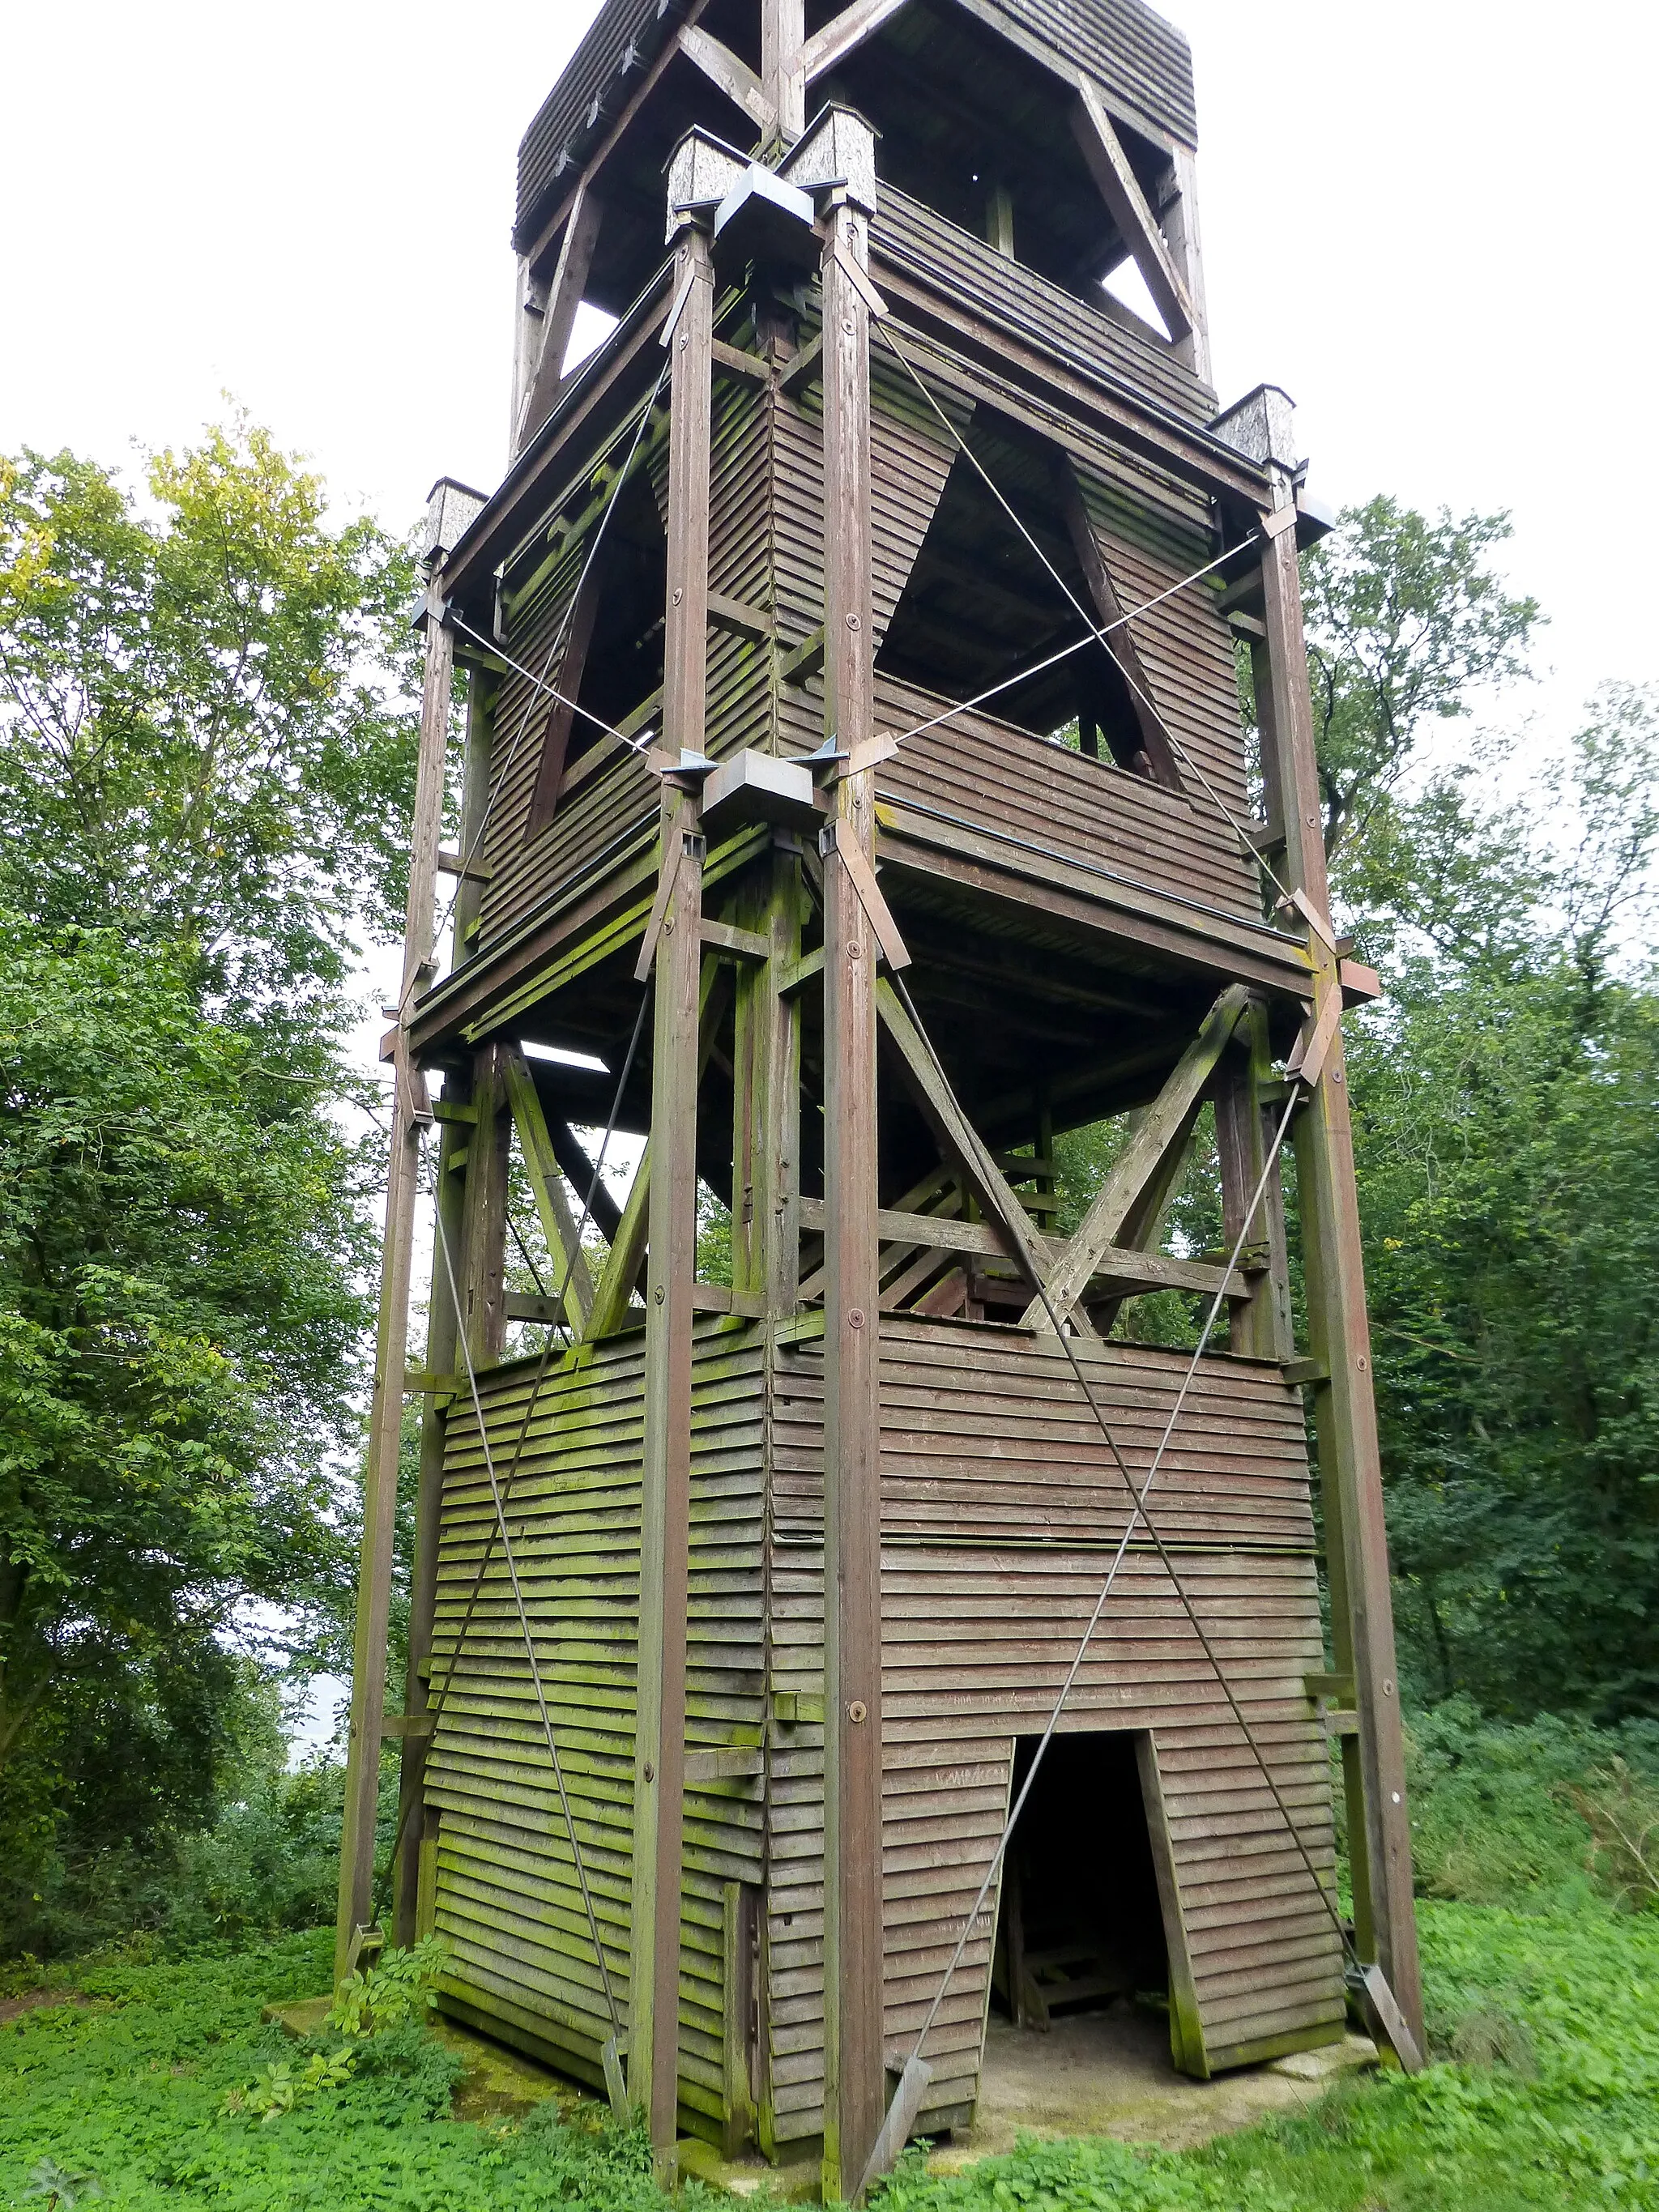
179,1334
1406,623
1507,1134
205,735
206,764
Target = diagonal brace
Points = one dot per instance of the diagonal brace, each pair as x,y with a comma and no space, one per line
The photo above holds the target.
541,1166
1118,185
1163,1129
609,1311
957,1134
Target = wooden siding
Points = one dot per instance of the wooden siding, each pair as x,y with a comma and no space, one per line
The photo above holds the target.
591,86
507,1899
1129,49
1000,1510
995,777
1141,62
609,798
767,550
1011,300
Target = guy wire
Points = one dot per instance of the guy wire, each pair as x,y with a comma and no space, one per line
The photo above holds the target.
435,1709
529,1651
1138,1512
1097,634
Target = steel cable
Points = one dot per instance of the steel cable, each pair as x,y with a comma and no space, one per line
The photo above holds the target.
1138,1512
436,1710
1098,633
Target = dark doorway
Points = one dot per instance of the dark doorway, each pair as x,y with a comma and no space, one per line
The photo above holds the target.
1079,1922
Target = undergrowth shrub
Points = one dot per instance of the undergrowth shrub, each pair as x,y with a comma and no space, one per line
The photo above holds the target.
1531,1813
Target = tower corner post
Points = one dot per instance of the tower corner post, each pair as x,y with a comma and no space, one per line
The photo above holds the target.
665,1532
1345,1410
854,1940
409,1112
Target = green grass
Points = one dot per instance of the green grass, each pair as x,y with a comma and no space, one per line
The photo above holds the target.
128,2088
1554,2102
1569,2116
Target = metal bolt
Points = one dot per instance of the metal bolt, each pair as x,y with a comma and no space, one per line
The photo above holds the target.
650,1771
856,1318
858,1710
1360,1364
679,593
850,328
852,622
659,1294
855,952
1394,1796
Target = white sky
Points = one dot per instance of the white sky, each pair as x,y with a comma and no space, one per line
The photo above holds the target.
1433,222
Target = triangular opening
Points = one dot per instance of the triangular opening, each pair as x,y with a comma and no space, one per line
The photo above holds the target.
980,611
1126,284
611,655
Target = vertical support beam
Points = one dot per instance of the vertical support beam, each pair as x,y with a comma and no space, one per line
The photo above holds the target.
482,689
1179,219
1256,1324
766,1133
484,1259
739,1926
783,64
659,1726
666,1511
529,322
442,1338
409,1113
564,296
854,2077
1351,1476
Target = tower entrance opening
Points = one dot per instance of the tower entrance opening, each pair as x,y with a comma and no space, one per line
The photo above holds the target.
1079,1922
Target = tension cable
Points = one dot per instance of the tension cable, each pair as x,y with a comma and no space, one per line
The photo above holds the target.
907,2098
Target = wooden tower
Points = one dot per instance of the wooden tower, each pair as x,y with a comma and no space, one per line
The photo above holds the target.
854,784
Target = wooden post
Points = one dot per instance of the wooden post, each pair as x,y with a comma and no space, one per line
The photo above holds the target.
854,2078
483,1264
558,319
783,67
1351,1476
1179,218
409,1113
443,1340
482,689
766,1133
1256,1324
442,1353
660,1730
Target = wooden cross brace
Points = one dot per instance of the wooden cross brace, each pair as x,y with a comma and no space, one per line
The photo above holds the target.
1129,1203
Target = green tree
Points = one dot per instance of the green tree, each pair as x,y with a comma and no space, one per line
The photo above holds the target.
1506,1098
204,713
1407,623
206,768
178,1345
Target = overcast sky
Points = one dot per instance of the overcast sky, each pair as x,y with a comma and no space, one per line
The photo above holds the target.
1433,223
